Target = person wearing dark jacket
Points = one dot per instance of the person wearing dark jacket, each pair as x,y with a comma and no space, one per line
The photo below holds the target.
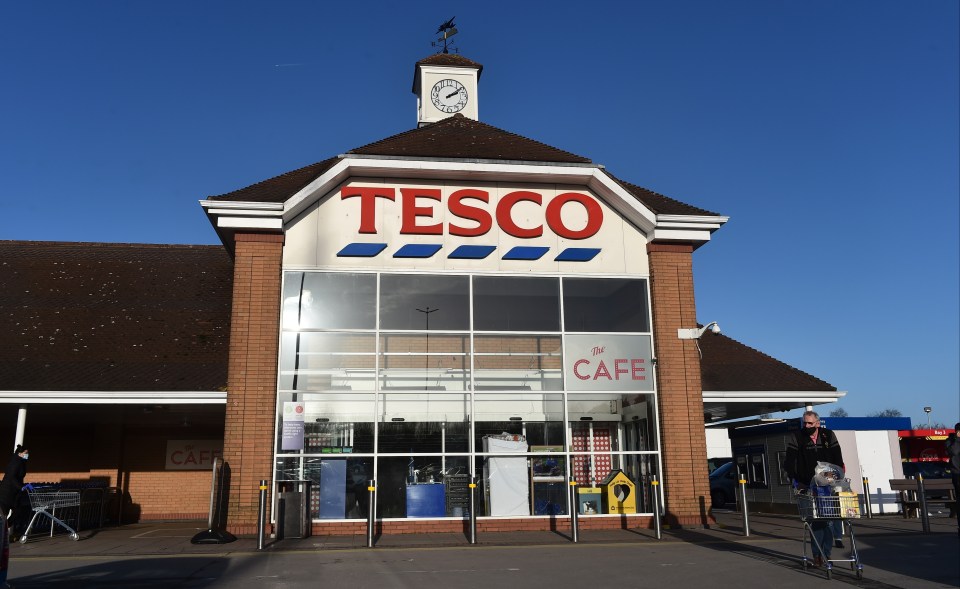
813,444
12,481
953,453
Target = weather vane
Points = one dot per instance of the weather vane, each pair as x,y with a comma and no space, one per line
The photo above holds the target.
446,30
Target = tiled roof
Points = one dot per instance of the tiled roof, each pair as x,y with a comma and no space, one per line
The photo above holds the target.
456,137
450,59
660,204
279,188
462,137
728,365
113,317
453,137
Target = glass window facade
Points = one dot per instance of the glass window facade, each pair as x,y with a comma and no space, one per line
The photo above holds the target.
420,381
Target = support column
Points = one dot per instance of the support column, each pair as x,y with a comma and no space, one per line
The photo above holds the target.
686,486
252,374
21,425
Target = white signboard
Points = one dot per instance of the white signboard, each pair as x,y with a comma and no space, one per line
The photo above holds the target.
291,435
437,226
193,454
608,363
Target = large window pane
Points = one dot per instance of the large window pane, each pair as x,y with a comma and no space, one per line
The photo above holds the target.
514,303
409,301
605,304
333,423
323,300
537,417
424,422
422,486
327,361
518,362
424,362
338,485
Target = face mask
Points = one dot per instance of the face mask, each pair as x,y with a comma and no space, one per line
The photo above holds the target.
27,455
809,430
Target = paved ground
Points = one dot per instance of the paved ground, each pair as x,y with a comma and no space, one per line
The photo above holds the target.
894,552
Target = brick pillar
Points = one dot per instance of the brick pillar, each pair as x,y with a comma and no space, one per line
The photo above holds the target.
685,484
252,374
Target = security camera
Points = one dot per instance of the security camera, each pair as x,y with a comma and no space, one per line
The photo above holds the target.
695,333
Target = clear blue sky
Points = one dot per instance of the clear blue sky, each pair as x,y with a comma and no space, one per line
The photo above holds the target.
827,131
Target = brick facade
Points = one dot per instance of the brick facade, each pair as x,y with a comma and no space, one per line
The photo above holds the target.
252,373
536,524
684,447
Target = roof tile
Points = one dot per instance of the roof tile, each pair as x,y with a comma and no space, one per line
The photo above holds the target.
728,365
114,317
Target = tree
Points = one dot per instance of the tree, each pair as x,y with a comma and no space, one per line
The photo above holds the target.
839,412
933,425
886,413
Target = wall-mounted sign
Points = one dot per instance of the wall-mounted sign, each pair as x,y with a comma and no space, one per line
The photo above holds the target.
192,454
608,363
291,437
440,225
472,213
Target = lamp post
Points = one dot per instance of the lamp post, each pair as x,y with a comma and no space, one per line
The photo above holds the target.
927,410
426,375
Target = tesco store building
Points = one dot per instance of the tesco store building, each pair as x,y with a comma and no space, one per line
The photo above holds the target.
460,301
451,302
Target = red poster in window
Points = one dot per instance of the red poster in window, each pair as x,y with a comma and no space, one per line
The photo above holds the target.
590,469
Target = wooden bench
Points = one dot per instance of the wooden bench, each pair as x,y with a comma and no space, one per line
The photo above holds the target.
910,503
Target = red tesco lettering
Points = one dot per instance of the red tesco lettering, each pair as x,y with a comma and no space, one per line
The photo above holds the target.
469,205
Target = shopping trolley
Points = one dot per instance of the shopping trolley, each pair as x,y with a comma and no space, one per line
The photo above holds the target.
47,503
813,506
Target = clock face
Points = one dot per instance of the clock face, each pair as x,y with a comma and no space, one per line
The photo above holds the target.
449,96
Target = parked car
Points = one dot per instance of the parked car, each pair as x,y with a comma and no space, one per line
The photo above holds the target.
723,485
929,470
715,463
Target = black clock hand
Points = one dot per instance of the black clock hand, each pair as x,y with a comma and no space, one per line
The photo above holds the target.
452,94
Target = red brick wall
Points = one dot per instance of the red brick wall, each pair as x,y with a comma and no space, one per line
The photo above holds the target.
252,373
413,526
684,447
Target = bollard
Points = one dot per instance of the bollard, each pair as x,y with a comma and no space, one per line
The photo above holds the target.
655,484
866,498
744,506
371,510
574,522
473,509
261,518
922,498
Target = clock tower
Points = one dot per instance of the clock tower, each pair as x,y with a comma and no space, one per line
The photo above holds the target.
446,84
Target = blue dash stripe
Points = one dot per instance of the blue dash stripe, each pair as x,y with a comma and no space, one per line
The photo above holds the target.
525,253
361,250
417,250
472,252
577,254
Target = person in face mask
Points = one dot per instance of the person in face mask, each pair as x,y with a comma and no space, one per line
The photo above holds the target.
13,480
810,445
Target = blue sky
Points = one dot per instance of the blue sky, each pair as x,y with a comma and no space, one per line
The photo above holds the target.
827,131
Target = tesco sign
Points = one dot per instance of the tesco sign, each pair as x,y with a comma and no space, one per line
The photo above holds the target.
473,212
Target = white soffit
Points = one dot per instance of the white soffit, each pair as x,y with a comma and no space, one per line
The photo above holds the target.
773,396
